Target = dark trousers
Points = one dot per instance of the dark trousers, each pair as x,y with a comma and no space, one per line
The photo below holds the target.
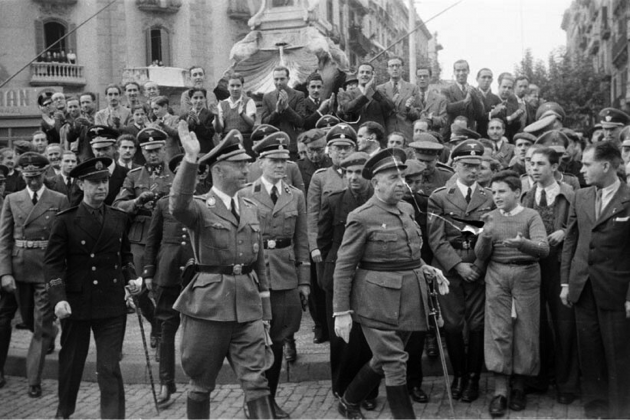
168,321
604,349
317,301
558,334
415,347
75,343
346,359
8,308
147,308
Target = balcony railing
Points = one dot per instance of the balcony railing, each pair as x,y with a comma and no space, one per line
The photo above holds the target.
57,2
163,76
52,74
160,6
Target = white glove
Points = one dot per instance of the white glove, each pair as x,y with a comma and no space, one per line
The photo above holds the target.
62,310
135,286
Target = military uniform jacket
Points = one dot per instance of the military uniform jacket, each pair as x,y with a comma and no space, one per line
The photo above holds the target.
138,181
392,300
168,247
23,221
308,168
219,240
89,267
331,227
436,179
292,176
448,202
284,220
324,182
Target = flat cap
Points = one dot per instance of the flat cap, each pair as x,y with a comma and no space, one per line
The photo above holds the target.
341,134
611,118
22,146
468,151
459,133
426,145
263,130
386,159
229,149
356,158
550,108
554,139
275,145
525,136
43,97
327,121
32,163
315,137
414,167
151,138
95,168
102,135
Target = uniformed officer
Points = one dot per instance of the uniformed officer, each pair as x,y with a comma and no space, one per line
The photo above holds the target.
167,251
341,141
379,282
27,217
293,176
326,122
282,214
224,305
346,359
87,264
315,142
453,252
612,121
427,149
142,188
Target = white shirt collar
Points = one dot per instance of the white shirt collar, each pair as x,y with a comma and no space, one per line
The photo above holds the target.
268,185
464,188
111,168
226,198
609,192
39,192
125,165
516,210
551,192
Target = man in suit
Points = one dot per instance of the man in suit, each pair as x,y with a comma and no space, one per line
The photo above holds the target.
4,172
282,214
115,115
127,146
510,111
316,158
453,252
490,100
370,138
502,149
284,108
27,217
365,102
63,183
315,107
402,94
102,140
379,268
595,281
462,99
226,306
87,265
427,104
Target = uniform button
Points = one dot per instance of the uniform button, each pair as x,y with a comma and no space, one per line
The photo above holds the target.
240,254
183,229
47,217
82,242
275,215
184,236
95,282
181,268
93,268
115,280
240,242
183,243
91,255
115,266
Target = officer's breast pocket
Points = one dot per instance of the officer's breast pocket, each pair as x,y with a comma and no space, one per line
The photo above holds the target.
218,235
290,218
380,243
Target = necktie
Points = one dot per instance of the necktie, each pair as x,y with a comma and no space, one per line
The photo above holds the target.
598,204
233,209
68,183
543,198
395,88
34,198
316,102
274,194
469,195
421,99
98,215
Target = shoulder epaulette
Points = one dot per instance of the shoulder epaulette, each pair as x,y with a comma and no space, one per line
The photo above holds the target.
445,168
68,210
438,189
319,170
249,201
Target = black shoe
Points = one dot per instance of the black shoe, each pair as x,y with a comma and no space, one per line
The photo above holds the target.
260,408
369,404
418,395
60,415
3,381
154,341
457,386
279,412
518,400
51,348
35,391
471,391
399,402
565,398
432,346
349,411
21,326
290,352
498,406
164,398
319,336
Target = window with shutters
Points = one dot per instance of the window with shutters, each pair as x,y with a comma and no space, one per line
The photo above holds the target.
158,47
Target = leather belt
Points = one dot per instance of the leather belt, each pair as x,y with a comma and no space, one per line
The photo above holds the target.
519,262
20,243
277,243
390,265
235,269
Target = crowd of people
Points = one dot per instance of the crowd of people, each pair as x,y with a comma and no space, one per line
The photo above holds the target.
396,212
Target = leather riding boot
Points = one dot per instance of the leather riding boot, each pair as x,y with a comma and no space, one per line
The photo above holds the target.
399,402
198,405
457,355
260,408
363,383
475,363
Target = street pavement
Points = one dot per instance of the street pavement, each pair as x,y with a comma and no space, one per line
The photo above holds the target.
304,391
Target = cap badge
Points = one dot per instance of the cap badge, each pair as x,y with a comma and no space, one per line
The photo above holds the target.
342,136
473,153
608,118
99,165
30,167
151,138
280,147
240,146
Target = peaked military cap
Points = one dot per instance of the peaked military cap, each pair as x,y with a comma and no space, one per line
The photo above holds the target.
32,163
41,99
341,134
525,136
393,158
229,149
176,160
468,151
356,158
263,130
462,133
550,108
414,167
542,125
275,145
554,139
611,118
624,136
102,135
22,146
4,173
95,168
151,138
327,121
314,136
426,145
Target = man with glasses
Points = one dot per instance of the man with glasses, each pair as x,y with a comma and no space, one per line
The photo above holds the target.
402,94
428,105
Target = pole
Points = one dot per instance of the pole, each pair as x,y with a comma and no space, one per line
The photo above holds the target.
412,42
146,352
56,42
